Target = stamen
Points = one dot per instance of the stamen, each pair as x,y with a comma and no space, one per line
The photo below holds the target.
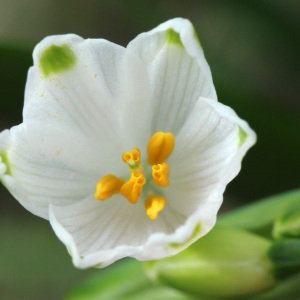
160,174
154,205
132,189
107,186
160,147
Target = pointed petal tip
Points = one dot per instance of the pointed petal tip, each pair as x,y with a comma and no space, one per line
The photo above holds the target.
55,54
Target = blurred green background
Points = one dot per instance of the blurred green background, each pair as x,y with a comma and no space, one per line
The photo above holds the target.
253,50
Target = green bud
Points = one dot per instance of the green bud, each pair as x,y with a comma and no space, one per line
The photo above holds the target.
288,226
225,263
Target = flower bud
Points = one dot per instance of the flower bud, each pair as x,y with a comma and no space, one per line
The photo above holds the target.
225,263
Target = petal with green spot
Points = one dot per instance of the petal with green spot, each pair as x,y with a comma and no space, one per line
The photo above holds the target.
243,136
173,37
6,162
56,59
197,231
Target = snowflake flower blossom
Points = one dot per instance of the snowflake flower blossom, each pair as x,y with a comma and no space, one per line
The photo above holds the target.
126,151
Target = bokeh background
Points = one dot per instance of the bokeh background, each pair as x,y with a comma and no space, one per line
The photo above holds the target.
253,50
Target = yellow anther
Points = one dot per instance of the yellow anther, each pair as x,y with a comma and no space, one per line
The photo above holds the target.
160,174
107,186
132,158
160,147
154,205
132,189
134,155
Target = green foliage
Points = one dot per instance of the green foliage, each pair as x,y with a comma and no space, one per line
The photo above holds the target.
213,265
288,225
285,255
125,280
259,216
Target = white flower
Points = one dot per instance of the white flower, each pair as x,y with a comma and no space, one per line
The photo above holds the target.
100,116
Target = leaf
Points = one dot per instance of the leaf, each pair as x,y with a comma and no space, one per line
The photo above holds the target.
260,215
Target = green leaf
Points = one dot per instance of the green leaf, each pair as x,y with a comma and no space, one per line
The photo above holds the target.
124,278
153,292
288,225
260,216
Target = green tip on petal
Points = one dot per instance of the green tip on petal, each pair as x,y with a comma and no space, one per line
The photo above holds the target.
57,59
196,233
173,37
5,160
97,266
242,136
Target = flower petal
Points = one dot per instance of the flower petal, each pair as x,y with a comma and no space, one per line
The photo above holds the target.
97,234
36,179
74,131
207,156
178,71
93,95
102,232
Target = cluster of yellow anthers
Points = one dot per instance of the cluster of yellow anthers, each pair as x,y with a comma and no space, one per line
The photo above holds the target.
160,147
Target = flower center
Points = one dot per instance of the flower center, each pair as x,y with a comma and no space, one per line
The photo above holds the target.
160,147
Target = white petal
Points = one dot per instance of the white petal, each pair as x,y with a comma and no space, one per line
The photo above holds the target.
99,97
102,232
97,234
206,157
77,123
5,167
178,72
36,179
